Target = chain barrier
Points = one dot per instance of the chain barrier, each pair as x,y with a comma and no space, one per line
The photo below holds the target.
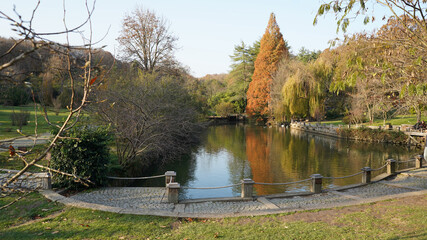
272,184
135,178
207,188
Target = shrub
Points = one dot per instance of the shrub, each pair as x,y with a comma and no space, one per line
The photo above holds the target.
84,153
56,102
224,109
20,119
16,95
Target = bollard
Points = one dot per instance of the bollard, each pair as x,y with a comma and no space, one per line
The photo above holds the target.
173,192
247,188
170,177
419,161
47,181
316,183
366,177
391,166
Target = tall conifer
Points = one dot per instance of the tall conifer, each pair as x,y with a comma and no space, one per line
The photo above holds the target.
272,50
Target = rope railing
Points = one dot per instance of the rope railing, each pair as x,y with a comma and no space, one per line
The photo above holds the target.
380,168
288,183
352,175
207,188
410,160
136,178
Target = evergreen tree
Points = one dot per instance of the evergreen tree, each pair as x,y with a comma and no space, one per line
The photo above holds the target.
241,73
272,50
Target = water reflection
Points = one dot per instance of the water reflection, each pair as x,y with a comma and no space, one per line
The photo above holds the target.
230,153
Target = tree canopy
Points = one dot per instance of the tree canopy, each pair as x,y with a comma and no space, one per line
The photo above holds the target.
272,50
146,39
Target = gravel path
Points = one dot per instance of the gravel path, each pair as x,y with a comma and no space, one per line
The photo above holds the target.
152,201
24,141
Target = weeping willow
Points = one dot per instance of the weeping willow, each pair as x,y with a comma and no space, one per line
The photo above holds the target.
304,90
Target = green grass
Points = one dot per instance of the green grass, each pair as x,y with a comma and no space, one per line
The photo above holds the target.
14,163
9,131
398,120
33,206
392,220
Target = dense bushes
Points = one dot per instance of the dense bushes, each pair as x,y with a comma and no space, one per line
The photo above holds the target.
83,152
14,95
224,109
153,118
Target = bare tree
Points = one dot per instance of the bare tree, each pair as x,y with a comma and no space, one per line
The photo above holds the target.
85,79
160,121
146,39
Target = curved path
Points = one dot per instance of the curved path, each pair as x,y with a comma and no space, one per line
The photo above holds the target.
152,201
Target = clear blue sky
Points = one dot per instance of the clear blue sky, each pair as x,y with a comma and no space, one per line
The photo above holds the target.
207,30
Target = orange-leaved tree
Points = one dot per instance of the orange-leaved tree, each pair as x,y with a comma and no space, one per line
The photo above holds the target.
272,50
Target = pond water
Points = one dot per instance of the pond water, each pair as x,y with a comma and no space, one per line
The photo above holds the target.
229,153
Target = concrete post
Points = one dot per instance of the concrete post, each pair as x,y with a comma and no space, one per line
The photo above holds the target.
247,188
391,166
170,177
425,149
173,192
366,177
47,181
316,183
419,161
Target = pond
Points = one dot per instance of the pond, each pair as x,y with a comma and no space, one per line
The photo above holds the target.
229,153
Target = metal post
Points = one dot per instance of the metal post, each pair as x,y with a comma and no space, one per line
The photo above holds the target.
47,181
316,183
173,192
419,161
391,166
247,188
366,177
170,177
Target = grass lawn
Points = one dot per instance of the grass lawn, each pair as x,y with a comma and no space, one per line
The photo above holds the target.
394,219
15,163
397,120
9,131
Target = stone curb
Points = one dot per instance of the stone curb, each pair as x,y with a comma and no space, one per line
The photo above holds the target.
80,204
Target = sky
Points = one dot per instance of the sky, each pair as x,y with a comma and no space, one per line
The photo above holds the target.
207,30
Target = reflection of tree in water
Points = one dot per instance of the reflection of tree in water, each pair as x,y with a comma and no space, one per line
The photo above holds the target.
184,167
258,151
274,155
283,155
232,139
